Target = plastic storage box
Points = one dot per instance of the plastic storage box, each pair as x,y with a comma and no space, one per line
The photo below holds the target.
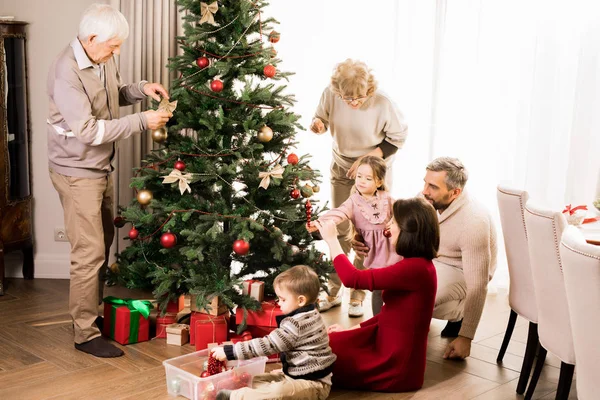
183,375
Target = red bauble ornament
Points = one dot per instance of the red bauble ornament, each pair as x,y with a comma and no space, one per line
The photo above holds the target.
180,165
246,378
241,247
202,62
204,374
295,193
168,240
133,233
119,221
387,233
269,71
274,37
292,159
216,85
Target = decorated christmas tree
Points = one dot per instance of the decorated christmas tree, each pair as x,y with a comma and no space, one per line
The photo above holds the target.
224,198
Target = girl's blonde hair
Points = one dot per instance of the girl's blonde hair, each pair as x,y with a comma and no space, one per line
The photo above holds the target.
353,79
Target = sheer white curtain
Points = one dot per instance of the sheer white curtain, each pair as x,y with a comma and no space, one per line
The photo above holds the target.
518,98
510,88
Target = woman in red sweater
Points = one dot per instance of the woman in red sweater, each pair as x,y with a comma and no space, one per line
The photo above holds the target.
387,352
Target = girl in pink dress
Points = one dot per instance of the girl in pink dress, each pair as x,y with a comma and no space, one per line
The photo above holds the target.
369,208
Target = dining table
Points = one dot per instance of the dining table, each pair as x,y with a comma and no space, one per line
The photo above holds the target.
591,232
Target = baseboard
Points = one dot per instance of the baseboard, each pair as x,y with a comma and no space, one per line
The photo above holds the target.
47,266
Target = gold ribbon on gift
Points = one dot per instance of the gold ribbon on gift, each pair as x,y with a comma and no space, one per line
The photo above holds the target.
184,180
208,12
276,172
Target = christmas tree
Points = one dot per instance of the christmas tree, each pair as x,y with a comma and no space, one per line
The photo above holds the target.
224,198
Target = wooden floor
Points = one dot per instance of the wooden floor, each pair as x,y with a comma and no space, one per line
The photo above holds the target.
38,361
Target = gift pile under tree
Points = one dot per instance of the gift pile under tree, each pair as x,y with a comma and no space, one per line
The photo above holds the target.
224,198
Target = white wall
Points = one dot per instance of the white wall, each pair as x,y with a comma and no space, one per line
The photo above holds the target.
52,25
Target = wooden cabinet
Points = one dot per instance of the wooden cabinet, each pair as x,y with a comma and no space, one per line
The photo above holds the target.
15,155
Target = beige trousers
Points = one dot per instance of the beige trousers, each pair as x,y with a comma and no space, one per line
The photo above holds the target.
87,204
451,292
340,191
277,385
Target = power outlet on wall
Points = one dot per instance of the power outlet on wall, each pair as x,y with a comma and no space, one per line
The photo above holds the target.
60,235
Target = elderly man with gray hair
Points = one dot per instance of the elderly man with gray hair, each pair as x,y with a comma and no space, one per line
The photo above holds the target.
85,92
467,255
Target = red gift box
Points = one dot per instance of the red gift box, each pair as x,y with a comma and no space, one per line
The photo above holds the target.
198,316
163,322
209,331
175,306
260,331
264,317
262,322
123,322
244,337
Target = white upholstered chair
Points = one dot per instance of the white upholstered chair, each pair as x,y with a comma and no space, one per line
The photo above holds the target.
581,268
521,297
544,232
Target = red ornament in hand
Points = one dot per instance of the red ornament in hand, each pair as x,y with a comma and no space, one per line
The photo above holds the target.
168,240
269,71
133,233
215,366
202,62
308,207
387,233
180,165
292,159
295,193
241,247
216,85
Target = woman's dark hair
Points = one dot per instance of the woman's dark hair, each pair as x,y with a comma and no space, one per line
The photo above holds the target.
419,228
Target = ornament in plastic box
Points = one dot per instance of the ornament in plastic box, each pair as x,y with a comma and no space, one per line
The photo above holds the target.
183,375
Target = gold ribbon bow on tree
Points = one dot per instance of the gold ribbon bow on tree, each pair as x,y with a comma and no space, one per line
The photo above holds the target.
184,180
166,106
276,172
208,12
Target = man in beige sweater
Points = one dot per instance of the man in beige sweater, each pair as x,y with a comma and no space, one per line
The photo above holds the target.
84,125
467,255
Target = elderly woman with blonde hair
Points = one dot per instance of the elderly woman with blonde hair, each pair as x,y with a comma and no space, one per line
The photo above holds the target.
363,122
